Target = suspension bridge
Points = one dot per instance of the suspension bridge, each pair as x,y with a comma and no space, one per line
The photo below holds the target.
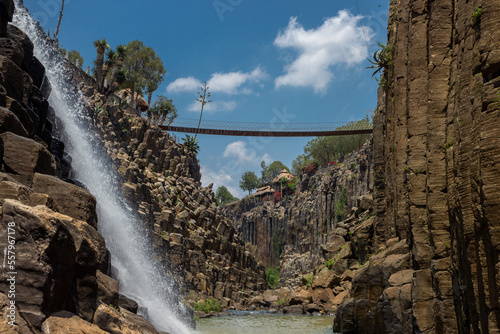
270,129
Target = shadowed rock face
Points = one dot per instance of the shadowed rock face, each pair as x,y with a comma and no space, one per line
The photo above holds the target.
436,154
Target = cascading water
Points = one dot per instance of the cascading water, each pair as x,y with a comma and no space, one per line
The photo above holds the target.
130,255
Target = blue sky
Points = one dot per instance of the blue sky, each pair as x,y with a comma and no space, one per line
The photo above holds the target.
264,60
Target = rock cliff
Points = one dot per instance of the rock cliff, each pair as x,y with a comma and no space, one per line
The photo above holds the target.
305,229
436,190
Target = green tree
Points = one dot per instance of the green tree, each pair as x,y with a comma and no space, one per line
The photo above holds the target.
162,111
101,47
249,181
141,64
74,56
223,196
323,150
270,172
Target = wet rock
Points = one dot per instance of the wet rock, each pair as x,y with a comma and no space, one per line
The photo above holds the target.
128,304
294,309
108,289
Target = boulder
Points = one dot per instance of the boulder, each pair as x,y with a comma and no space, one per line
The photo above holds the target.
294,309
16,191
325,279
108,289
25,156
300,297
72,200
6,14
11,49
365,202
28,118
10,123
121,321
128,304
68,323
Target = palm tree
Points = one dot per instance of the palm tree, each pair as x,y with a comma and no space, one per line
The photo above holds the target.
101,47
120,57
108,64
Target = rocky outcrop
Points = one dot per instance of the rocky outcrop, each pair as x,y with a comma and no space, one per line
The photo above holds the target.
51,281
307,228
436,180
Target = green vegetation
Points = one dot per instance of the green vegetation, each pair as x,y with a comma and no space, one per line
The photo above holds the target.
223,196
74,56
309,279
144,69
191,143
272,277
330,263
162,111
341,205
324,150
208,305
101,47
270,172
249,181
382,59
477,14
280,301
277,244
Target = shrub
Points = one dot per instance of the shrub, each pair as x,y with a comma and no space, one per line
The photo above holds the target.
272,277
277,196
310,168
477,14
330,263
208,305
309,280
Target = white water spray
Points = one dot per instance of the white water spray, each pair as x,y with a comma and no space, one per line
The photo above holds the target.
136,272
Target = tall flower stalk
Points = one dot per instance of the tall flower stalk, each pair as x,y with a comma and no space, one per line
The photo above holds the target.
204,98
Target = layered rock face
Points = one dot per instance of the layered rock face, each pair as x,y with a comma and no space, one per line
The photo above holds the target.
436,152
307,228
51,279
196,245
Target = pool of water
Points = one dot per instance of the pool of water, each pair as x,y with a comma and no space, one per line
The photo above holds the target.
264,323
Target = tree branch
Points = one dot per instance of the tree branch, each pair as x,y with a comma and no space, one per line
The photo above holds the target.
59,21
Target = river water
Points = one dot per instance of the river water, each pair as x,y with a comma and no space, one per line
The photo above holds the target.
265,323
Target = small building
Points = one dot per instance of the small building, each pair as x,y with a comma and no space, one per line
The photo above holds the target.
284,174
261,193
141,103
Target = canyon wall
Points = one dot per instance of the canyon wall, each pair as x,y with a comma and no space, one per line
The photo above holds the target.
305,229
436,187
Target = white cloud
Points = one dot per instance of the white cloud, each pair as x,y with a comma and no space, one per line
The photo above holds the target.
243,155
340,40
220,178
189,84
213,106
228,83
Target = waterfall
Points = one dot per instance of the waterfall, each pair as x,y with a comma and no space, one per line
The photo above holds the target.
130,254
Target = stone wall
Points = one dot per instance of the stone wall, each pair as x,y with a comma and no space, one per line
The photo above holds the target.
436,175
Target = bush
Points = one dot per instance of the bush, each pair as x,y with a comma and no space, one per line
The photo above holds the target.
208,305
272,277
277,196
329,264
310,168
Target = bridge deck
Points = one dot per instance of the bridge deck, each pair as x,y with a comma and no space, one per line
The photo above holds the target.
268,133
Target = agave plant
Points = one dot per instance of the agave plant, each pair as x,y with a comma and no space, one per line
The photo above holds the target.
191,143
204,97
382,58
101,47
